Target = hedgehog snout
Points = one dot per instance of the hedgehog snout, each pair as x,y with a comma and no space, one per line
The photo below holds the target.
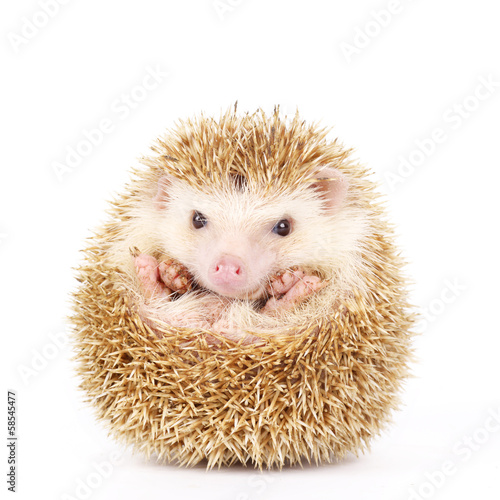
228,274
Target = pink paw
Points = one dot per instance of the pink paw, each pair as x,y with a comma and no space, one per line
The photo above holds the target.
289,288
175,276
147,271
282,281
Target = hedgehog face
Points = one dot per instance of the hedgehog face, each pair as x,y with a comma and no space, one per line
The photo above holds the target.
229,238
233,236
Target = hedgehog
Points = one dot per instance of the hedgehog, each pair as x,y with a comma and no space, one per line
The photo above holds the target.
246,301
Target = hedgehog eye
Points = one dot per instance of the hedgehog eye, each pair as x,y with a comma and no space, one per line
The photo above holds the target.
283,227
199,220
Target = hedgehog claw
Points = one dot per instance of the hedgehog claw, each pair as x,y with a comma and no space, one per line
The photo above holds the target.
175,276
146,267
289,288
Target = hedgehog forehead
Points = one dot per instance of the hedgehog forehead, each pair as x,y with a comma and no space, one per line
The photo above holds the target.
233,208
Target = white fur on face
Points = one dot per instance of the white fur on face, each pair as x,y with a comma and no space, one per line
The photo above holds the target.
240,224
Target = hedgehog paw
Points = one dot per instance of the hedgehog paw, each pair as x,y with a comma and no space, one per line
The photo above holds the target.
283,281
146,267
289,288
175,276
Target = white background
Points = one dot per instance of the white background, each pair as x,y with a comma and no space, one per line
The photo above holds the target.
419,69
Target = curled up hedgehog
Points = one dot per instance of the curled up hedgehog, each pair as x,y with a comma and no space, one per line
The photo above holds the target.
245,301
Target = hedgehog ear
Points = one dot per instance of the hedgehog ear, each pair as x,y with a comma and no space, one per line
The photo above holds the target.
331,185
162,196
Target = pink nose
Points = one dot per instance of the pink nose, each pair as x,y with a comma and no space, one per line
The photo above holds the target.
228,272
